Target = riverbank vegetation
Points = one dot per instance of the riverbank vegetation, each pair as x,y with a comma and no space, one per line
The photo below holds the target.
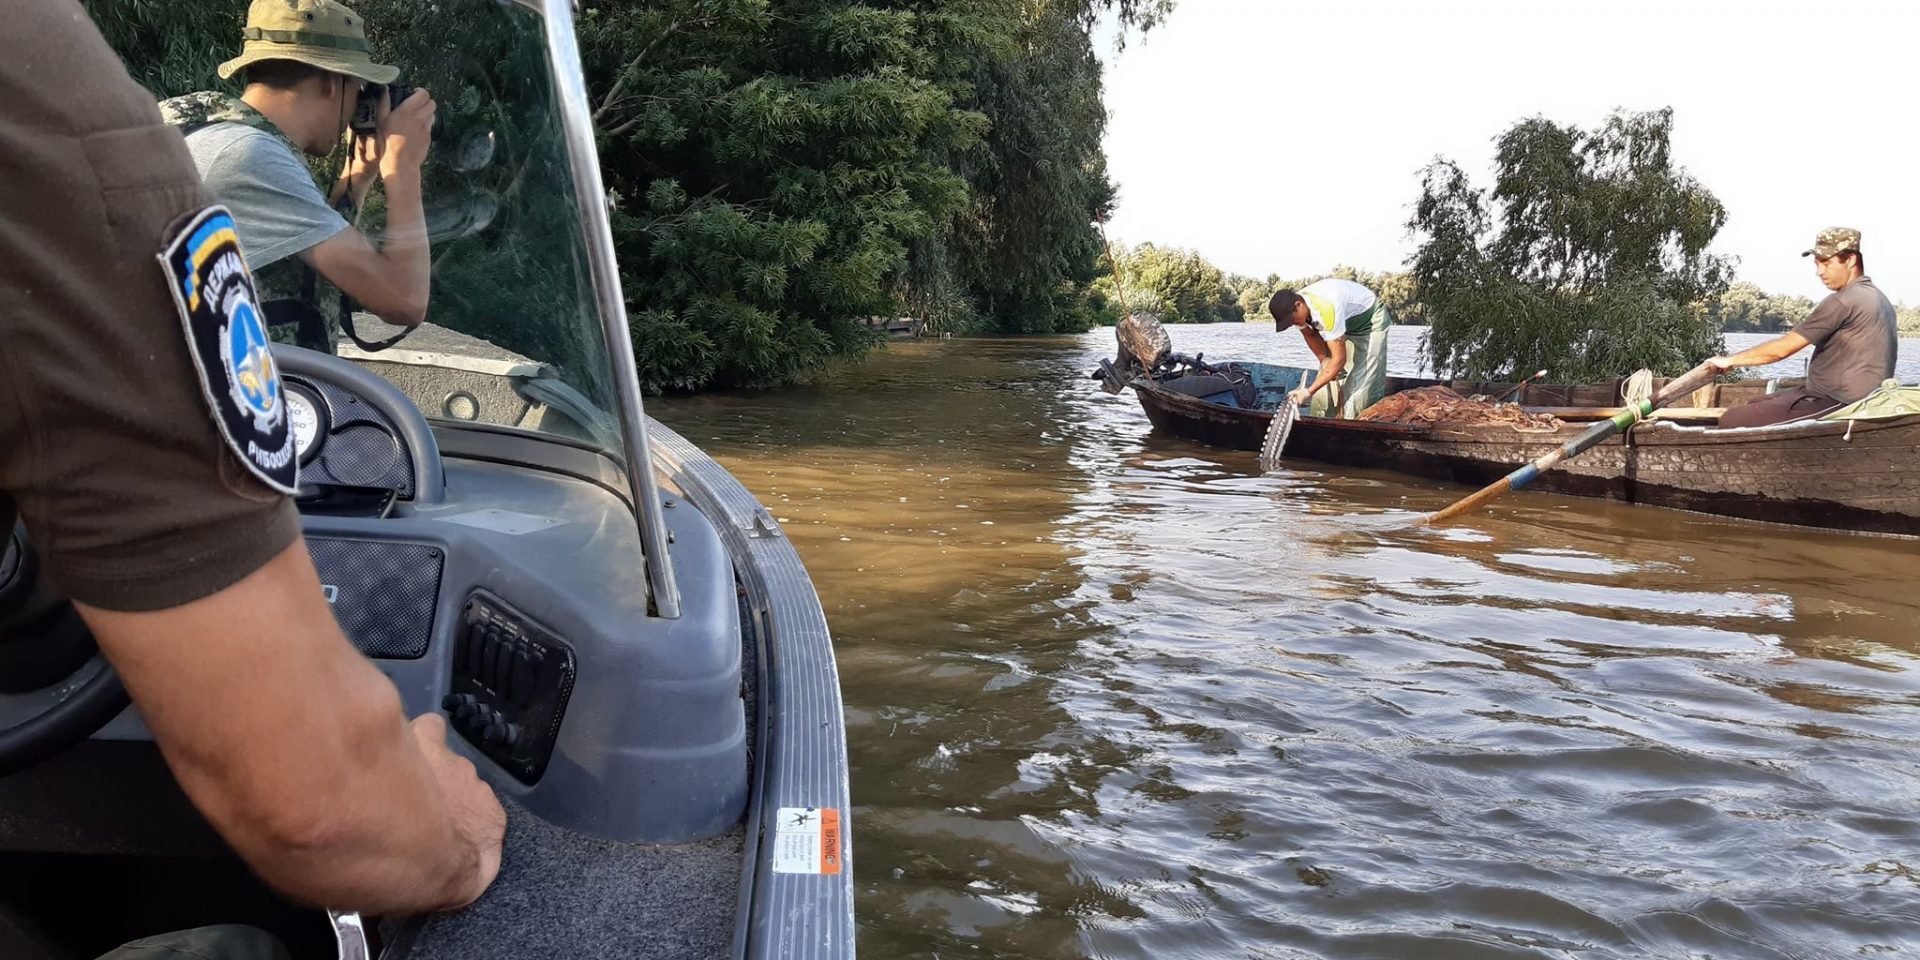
783,169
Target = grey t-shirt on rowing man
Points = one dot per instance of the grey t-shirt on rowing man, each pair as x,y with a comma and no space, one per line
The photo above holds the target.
1855,339
276,206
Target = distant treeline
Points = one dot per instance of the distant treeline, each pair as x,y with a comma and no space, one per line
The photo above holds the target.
1745,308
1181,286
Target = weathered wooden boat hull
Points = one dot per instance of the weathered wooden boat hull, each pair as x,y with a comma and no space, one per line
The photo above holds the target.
1850,476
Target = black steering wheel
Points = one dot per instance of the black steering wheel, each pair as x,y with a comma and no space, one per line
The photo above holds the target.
55,687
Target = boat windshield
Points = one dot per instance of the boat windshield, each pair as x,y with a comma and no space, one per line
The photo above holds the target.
513,335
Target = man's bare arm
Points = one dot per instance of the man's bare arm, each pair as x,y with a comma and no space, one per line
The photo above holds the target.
1333,359
390,282
295,748
393,281
1773,351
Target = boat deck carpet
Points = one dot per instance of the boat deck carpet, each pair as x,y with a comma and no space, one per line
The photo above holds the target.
566,895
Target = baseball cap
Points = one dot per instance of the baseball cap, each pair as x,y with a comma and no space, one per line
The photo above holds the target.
1834,241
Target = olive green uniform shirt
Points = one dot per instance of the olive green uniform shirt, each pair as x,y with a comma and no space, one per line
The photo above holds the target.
108,447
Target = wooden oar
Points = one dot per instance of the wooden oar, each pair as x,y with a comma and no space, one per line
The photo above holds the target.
1681,386
1518,387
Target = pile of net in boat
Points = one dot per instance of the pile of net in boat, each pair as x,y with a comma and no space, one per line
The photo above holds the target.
1443,405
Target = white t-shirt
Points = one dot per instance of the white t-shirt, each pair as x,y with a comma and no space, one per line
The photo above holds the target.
1333,301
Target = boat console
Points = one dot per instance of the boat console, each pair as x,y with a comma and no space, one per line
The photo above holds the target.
500,584
493,576
619,635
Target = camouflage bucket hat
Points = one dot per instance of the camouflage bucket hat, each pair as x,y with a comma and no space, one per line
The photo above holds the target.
1834,241
320,33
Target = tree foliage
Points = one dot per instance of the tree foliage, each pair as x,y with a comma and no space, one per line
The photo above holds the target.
781,170
1588,257
1180,286
1746,308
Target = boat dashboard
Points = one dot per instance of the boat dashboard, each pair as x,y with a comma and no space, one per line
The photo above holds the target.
498,577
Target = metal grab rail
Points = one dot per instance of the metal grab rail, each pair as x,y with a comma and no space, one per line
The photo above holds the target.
576,121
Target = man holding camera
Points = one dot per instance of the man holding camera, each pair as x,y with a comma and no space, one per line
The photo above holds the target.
307,67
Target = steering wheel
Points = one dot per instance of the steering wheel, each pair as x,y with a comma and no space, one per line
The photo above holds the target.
55,687
423,452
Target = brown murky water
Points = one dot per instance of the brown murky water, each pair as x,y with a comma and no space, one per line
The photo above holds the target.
1113,694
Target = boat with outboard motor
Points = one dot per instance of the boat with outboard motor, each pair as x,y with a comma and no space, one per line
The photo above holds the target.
621,637
1843,474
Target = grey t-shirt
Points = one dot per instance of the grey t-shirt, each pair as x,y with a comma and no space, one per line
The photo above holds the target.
277,207
1855,339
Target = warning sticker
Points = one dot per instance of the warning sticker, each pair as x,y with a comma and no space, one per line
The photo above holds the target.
807,840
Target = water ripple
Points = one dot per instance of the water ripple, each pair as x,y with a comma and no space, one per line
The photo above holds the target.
1115,695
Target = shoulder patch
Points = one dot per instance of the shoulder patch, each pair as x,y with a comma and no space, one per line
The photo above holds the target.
227,336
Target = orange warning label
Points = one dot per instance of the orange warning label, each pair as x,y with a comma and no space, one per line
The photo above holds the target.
807,840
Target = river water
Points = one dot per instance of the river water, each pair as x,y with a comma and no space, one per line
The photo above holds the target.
1113,694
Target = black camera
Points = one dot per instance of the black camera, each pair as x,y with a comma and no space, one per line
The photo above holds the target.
366,108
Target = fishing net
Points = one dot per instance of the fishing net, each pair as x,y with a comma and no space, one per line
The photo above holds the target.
1443,405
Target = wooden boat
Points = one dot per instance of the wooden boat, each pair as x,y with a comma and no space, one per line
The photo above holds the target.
1843,475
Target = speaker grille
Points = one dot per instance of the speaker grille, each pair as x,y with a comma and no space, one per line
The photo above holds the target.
383,593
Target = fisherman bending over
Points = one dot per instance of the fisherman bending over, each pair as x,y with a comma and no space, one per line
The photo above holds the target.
1853,333
1345,325
305,63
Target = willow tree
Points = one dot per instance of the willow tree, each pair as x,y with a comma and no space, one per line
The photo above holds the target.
1588,258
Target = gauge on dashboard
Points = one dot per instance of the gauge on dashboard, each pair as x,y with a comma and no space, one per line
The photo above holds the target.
308,415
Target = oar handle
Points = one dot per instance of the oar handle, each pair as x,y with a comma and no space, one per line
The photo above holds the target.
1685,383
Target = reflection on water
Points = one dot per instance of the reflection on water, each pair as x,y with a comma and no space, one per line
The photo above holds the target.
1112,694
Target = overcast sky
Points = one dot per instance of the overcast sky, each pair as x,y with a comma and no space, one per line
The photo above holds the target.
1282,136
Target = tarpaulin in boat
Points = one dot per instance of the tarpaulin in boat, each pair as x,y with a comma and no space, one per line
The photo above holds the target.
1889,401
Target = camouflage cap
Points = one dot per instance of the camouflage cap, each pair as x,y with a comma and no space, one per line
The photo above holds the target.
320,33
1834,241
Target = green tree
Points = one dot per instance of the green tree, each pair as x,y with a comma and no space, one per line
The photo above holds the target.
1178,285
1909,319
1587,258
1746,308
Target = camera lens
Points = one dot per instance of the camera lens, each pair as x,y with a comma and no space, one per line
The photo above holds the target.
366,110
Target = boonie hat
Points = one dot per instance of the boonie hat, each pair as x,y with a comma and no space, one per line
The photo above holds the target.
319,33
1834,241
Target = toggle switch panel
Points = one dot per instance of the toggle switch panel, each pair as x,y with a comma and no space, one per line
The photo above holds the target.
511,681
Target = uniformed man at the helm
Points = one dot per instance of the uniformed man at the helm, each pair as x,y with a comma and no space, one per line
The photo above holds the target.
304,64
145,442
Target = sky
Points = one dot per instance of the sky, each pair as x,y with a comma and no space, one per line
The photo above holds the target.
1286,136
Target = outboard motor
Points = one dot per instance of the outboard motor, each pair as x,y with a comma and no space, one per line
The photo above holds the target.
1144,347
1143,337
